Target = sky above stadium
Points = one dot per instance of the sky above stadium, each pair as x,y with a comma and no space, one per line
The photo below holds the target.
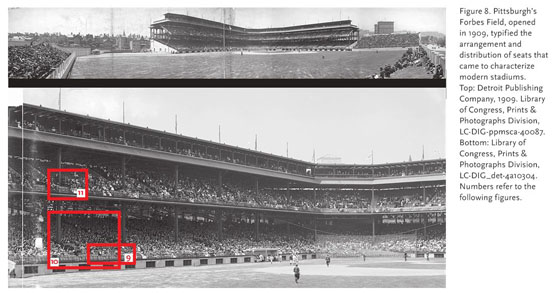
137,20
346,123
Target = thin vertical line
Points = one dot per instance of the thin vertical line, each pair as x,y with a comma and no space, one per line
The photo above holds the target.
22,170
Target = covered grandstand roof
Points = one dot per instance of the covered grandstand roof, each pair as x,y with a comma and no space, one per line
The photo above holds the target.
48,112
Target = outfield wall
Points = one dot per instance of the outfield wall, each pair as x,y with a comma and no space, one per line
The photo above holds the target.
431,255
31,270
63,71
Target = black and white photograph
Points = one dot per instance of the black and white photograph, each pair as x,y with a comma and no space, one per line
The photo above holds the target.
226,43
229,188
292,145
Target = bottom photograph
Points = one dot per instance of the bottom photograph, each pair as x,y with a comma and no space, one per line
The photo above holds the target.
227,188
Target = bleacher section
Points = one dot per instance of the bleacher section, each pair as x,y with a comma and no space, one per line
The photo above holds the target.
389,41
34,61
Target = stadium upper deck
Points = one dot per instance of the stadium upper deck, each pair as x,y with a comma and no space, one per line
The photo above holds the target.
183,33
125,139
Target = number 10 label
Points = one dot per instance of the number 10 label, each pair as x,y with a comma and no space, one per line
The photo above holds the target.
54,262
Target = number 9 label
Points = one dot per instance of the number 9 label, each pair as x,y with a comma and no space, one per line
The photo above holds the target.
128,257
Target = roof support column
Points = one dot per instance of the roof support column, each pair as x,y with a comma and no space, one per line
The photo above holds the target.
176,223
373,200
257,219
58,228
425,216
218,218
288,189
57,206
124,211
176,176
124,167
59,163
219,180
315,228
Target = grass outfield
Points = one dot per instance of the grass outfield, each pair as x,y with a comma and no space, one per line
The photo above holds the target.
355,64
349,273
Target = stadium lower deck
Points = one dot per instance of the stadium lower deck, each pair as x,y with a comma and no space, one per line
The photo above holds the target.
342,273
216,65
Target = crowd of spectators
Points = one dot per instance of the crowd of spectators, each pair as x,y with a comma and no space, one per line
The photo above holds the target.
22,232
201,239
34,61
389,41
149,182
380,171
408,200
155,239
433,240
411,58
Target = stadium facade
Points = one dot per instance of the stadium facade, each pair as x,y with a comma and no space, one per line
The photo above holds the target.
183,33
152,175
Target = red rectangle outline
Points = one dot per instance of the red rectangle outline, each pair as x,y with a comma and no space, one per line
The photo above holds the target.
118,262
49,197
110,267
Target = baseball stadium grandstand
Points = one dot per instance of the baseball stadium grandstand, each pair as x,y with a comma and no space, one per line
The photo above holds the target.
182,33
186,201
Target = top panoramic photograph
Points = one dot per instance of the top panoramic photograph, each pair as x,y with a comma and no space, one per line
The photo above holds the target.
226,43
